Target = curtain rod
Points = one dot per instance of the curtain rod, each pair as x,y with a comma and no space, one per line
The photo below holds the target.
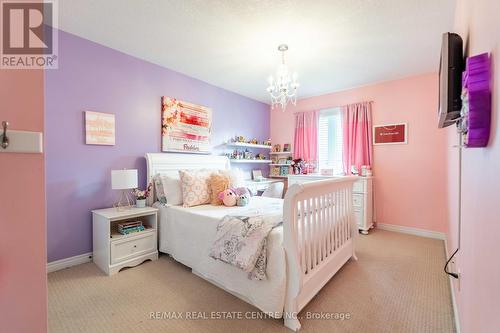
336,106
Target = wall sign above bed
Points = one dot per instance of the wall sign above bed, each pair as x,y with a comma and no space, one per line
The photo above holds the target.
186,127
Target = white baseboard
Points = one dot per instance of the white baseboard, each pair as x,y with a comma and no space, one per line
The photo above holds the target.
412,231
69,262
452,290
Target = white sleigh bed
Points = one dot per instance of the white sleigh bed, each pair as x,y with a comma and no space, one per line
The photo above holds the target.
316,239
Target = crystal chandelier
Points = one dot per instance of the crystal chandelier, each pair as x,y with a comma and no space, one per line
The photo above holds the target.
283,89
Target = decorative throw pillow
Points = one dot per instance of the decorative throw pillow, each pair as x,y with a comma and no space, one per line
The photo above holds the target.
195,187
159,192
218,183
172,188
168,189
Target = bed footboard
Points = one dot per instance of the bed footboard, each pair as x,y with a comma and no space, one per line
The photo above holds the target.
319,234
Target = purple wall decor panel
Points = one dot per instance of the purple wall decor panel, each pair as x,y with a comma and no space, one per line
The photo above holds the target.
476,82
97,78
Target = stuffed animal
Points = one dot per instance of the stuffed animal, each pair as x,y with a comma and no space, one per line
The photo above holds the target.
242,191
243,200
243,195
228,197
297,165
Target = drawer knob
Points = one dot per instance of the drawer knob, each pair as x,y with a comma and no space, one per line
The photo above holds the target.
135,245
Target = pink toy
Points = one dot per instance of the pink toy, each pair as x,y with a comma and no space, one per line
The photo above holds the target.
228,197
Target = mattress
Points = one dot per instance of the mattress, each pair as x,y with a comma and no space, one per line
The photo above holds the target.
187,235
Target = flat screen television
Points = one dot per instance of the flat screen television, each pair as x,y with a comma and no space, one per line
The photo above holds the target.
451,67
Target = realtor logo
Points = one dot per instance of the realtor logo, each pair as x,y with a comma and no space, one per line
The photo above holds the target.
29,35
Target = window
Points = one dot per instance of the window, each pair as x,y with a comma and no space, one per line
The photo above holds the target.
330,140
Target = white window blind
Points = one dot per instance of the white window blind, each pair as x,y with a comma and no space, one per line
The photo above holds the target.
330,140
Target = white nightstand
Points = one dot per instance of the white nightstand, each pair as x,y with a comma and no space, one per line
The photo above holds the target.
112,250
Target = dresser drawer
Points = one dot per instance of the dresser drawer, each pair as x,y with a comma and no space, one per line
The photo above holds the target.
359,186
128,248
359,218
358,200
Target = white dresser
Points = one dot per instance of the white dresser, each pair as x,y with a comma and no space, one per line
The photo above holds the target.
362,197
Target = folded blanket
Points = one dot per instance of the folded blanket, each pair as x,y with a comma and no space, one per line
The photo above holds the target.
241,241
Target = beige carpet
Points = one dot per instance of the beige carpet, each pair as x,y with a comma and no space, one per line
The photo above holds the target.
396,286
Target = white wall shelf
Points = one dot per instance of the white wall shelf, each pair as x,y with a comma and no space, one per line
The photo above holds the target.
281,153
247,145
249,161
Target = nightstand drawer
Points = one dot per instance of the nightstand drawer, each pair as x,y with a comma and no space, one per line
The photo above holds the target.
129,248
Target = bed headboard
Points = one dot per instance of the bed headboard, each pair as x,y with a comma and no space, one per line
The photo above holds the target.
171,163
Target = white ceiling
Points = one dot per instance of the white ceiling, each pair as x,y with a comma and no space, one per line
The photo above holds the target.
334,45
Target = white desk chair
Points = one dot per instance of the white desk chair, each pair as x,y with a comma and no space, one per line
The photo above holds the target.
275,190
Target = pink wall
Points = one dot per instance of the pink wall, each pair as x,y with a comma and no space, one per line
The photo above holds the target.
478,293
409,179
23,278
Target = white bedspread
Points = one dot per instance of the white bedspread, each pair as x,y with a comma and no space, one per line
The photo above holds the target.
187,234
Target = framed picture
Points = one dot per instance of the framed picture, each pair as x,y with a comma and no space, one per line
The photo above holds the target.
186,127
257,174
274,171
390,134
99,128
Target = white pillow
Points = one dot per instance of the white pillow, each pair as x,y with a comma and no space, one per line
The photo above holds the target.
172,187
236,176
168,189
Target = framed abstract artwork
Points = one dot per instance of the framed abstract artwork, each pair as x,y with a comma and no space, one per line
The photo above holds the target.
186,127
390,134
99,128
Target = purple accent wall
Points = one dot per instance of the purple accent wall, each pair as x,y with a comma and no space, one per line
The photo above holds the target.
96,78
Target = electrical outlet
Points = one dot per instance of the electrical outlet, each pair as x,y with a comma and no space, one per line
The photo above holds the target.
453,268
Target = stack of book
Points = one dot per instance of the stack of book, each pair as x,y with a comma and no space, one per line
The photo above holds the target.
130,227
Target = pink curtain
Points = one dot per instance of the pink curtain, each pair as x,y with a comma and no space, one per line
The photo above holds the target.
358,142
305,142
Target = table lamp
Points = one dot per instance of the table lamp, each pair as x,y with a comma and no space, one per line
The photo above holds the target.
123,180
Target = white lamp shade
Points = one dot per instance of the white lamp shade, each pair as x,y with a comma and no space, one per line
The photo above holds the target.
123,179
